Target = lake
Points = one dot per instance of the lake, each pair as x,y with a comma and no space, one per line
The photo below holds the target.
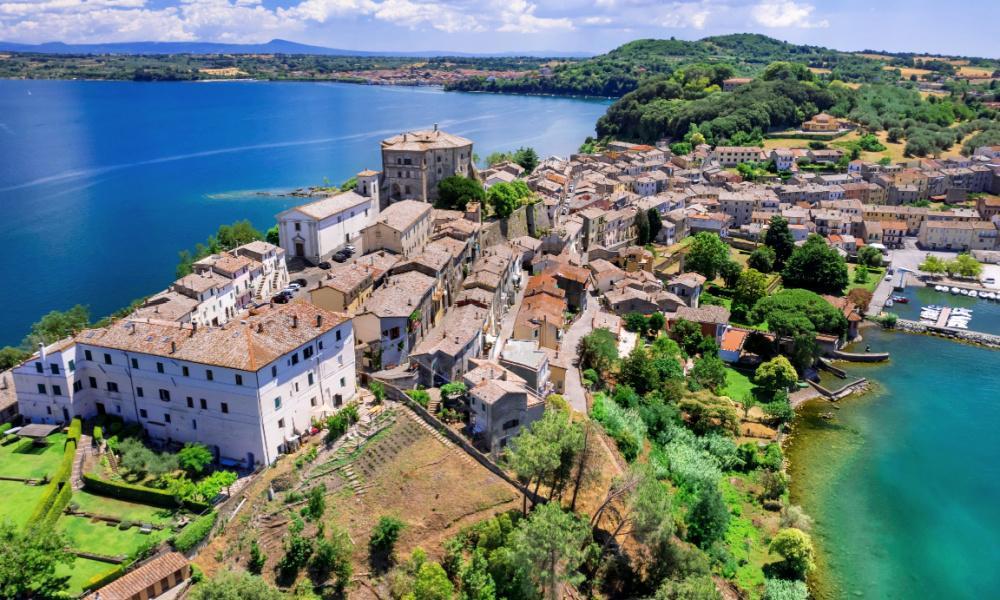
904,481
985,313
103,183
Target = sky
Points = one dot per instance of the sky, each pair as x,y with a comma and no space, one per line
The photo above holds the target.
962,27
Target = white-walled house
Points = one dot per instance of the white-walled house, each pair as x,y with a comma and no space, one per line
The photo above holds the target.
245,390
315,231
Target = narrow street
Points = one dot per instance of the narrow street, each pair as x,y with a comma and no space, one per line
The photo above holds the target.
507,323
575,394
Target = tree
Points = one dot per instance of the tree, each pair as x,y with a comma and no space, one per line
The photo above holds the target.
637,504
687,334
709,372
656,323
316,505
816,266
29,560
257,558
655,223
779,239
453,390
762,259
708,517
964,265
638,372
750,288
696,587
796,547
598,350
861,274
384,536
432,583
680,148
194,457
792,311
10,357
776,374
642,228
730,272
504,198
272,236
495,158
706,255
56,325
237,234
477,583
636,322
860,297
546,451
706,413
785,589
933,265
235,585
870,256
456,192
332,558
527,158
550,546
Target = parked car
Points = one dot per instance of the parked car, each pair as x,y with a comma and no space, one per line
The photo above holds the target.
280,298
294,286
289,291
324,265
350,249
301,282
341,256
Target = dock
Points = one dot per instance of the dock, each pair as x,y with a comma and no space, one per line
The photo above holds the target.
943,317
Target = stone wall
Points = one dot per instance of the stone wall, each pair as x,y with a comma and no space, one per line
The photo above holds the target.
972,337
525,220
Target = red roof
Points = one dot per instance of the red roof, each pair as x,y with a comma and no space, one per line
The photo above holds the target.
733,339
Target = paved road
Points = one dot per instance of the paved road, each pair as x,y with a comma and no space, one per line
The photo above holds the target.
575,394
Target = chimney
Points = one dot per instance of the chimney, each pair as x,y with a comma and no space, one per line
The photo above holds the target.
194,327
173,347
260,328
319,320
295,321
41,350
435,127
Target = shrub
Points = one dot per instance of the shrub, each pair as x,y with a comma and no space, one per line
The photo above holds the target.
125,524
421,397
4,427
75,430
625,426
195,532
784,589
131,492
384,535
57,492
194,458
98,434
257,559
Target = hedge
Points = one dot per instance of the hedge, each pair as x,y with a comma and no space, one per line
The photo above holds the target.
102,579
195,532
75,429
137,493
58,492
4,427
98,434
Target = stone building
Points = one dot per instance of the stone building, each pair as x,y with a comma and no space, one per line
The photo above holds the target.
414,162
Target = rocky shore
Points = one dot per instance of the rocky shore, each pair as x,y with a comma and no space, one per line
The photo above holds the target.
971,337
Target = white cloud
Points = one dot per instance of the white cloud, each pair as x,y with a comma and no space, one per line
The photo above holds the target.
518,16
786,13
686,14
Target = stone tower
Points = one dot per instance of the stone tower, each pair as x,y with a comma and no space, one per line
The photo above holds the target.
368,186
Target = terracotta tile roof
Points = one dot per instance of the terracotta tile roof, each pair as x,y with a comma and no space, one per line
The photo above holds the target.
424,140
400,296
330,205
404,214
134,582
732,340
248,344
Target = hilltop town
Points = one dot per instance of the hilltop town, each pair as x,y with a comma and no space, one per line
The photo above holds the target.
369,402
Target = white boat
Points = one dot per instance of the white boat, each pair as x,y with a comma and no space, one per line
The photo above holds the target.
973,294
964,292
889,302
962,312
954,290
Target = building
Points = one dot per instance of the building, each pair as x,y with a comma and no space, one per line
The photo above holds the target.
344,288
247,390
731,84
688,287
713,319
525,359
957,235
315,231
414,162
822,123
730,156
148,581
394,318
500,405
403,228
445,354
8,398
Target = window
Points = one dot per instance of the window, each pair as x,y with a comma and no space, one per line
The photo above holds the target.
239,379
72,366
296,387
209,375
225,407
298,227
165,395
281,423
511,424
41,388
54,368
320,344
185,371
159,367
190,402
295,358
166,417
307,352
338,335
312,401
56,390
77,385
143,413
277,403
135,363
107,358
39,368
138,392
112,386
309,378
194,424
274,370
93,382
87,355
204,404
343,382
48,409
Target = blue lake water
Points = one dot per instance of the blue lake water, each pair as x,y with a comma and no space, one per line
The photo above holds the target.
102,183
904,482
985,313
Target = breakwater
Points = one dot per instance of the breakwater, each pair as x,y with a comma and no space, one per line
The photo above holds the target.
966,335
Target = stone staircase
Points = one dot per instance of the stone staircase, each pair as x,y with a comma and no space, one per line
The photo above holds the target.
462,454
84,451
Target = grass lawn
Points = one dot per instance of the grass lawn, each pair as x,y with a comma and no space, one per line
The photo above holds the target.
123,510
19,501
81,571
874,277
24,459
738,384
100,538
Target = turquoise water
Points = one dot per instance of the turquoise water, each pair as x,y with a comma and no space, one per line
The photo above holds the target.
102,183
904,482
985,313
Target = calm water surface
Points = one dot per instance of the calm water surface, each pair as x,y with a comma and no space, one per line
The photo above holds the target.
102,183
985,313
904,482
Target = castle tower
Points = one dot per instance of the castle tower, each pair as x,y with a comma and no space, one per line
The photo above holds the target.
368,186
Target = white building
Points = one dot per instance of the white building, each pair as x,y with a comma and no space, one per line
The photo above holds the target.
246,390
315,231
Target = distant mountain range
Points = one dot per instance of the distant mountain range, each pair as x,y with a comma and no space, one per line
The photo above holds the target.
275,46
